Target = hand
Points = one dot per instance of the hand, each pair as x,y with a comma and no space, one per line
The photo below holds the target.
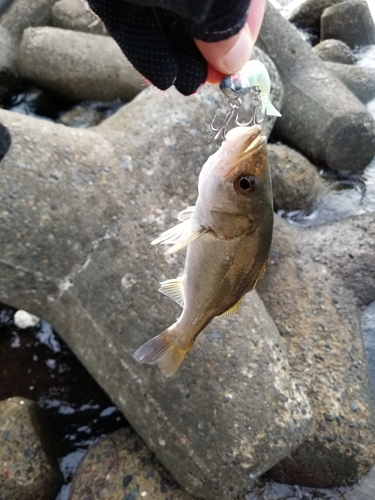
228,56
159,41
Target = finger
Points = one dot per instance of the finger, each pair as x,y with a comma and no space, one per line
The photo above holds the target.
255,17
228,56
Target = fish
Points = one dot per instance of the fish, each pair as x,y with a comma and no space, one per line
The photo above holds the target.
253,75
228,236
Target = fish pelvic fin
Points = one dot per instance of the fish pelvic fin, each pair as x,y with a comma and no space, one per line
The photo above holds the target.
179,236
161,351
261,274
173,289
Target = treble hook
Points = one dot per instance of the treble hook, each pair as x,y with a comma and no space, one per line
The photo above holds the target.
234,104
257,101
253,77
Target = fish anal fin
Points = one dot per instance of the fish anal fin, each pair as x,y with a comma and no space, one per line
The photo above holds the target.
163,352
173,289
232,310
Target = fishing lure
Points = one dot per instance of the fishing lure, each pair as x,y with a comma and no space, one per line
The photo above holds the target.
252,78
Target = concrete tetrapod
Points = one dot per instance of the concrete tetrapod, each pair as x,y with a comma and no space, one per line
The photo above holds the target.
317,279
321,118
78,211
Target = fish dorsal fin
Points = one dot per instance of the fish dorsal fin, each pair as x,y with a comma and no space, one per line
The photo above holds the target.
173,289
186,214
181,235
232,310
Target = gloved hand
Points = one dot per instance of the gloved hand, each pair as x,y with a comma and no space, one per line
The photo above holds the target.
166,40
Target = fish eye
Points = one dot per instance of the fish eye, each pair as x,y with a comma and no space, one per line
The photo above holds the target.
246,184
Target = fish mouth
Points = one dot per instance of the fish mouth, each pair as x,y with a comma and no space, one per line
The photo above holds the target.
252,142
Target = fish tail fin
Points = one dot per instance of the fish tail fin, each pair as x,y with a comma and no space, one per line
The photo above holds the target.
161,351
270,109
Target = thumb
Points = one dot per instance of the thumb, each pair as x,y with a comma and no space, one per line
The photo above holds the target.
230,55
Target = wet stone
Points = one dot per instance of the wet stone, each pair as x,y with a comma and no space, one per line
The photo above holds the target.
296,182
349,21
307,14
335,51
329,417
26,469
127,479
101,472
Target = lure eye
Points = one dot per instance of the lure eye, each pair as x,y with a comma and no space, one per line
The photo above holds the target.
246,184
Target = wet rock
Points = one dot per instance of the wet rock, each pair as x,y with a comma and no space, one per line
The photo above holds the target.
76,15
360,80
310,293
295,181
363,490
12,24
350,21
98,197
335,51
77,66
119,467
307,14
339,132
26,470
88,114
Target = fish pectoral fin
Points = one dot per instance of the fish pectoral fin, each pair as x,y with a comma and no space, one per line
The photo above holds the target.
163,352
173,289
179,236
186,214
232,310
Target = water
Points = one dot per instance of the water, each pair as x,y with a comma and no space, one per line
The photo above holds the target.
33,102
36,364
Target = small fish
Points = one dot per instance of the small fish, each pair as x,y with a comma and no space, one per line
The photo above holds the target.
228,236
253,75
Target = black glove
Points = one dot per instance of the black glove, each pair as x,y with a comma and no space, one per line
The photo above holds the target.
158,40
